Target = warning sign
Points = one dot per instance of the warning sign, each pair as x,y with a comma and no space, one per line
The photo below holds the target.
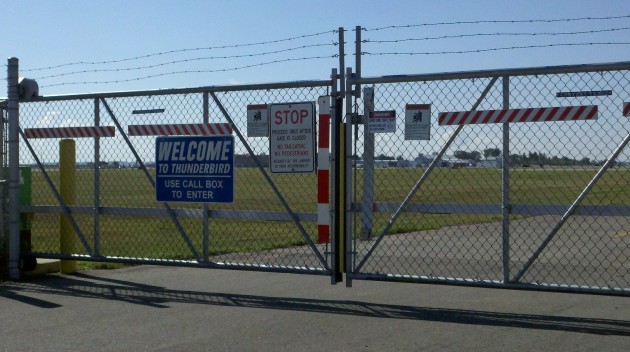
417,122
382,122
257,121
292,137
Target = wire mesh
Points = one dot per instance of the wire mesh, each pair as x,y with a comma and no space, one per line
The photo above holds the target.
253,231
452,228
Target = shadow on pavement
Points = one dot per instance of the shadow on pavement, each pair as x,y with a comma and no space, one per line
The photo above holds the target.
87,286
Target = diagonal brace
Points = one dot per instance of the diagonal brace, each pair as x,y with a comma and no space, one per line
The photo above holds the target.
423,178
64,207
286,206
573,207
170,210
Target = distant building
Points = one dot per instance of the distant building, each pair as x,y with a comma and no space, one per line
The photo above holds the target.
423,160
495,162
451,161
405,163
385,163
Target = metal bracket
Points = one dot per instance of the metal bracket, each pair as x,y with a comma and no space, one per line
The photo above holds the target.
357,119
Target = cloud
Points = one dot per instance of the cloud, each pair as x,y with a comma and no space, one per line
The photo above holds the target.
55,119
234,82
48,119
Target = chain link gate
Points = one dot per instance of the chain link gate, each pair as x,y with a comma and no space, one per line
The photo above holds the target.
533,205
271,226
547,207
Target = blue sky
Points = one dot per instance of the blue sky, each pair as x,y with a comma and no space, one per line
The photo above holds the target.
49,33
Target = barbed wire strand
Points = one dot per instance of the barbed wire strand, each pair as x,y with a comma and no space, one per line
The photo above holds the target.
533,34
493,49
498,22
179,51
125,69
192,71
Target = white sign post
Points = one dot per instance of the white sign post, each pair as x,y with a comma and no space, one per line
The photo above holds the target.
418,122
292,137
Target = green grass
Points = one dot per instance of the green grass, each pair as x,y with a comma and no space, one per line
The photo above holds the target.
146,237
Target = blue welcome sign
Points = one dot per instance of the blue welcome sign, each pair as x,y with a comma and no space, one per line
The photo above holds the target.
195,169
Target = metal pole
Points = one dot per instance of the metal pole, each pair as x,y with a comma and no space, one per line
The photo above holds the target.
506,184
348,179
342,62
206,234
336,243
368,167
357,60
14,169
97,181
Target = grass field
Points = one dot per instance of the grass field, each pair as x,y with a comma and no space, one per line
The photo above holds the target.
158,237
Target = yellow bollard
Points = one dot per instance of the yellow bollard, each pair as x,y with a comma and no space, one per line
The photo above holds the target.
67,190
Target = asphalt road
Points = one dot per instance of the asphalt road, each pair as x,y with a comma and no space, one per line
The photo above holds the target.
187,309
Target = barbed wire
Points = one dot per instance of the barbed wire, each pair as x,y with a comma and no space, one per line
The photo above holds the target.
493,49
296,48
497,22
192,71
162,53
533,34
183,61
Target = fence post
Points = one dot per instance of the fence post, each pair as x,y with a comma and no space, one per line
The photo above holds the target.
14,168
368,166
346,183
67,190
505,206
336,173
357,60
97,181
206,212
342,62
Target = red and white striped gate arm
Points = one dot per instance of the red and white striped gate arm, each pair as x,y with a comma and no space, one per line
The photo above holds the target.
70,132
189,129
551,114
323,171
626,109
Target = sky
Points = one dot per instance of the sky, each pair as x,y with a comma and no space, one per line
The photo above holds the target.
43,34
107,46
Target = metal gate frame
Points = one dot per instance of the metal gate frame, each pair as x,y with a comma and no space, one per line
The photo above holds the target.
201,259
353,269
342,207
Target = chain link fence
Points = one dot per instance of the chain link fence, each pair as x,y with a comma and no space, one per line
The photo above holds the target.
116,212
526,204
438,210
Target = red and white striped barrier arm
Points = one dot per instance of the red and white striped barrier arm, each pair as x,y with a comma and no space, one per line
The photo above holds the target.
190,129
323,171
552,114
70,132
626,109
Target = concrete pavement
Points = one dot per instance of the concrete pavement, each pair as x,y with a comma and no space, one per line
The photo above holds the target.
188,309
